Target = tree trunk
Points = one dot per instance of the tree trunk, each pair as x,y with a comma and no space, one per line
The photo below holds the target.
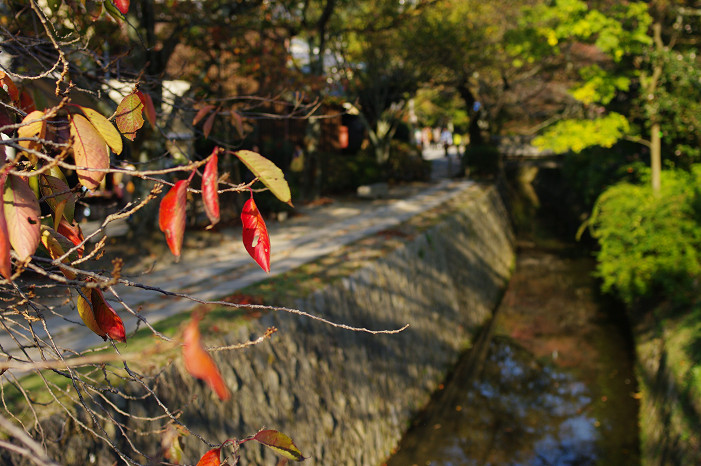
476,138
655,157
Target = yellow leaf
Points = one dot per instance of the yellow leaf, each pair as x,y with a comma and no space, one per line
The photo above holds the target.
105,128
33,125
86,312
268,173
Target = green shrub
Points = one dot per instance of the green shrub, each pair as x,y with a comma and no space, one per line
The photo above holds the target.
482,160
590,172
405,163
344,173
650,245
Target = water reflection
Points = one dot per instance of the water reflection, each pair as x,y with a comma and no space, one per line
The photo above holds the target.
552,387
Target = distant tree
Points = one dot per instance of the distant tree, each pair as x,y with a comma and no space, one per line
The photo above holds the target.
645,80
478,49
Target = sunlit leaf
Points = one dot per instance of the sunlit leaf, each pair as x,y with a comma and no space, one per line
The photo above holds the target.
89,151
171,216
22,216
149,109
130,116
122,6
5,260
280,443
255,234
268,173
99,316
106,129
113,10
8,86
211,458
33,126
199,363
74,234
86,313
210,196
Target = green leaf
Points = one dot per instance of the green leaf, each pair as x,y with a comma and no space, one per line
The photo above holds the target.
280,443
113,10
268,173
130,116
576,135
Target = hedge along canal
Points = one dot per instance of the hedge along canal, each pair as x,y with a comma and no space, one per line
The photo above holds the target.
551,379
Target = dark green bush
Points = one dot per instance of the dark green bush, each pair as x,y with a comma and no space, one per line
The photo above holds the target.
344,173
650,244
589,172
482,160
405,163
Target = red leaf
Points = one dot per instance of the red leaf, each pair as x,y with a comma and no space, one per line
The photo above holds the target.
5,121
9,86
99,316
22,212
122,5
280,443
73,233
199,363
171,216
201,113
107,318
129,117
237,121
89,151
5,261
26,102
207,127
255,235
210,184
211,458
149,109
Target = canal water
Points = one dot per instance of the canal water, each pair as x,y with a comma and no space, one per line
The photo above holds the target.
549,382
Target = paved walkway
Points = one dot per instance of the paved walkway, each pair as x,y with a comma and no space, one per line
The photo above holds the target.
215,272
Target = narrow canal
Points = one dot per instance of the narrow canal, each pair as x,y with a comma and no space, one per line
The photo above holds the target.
549,382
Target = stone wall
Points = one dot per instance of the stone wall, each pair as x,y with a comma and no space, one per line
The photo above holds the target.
670,406
346,397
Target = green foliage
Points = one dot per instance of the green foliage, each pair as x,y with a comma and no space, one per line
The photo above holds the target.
576,135
599,85
435,106
405,163
482,160
343,173
588,173
677,102
650,243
